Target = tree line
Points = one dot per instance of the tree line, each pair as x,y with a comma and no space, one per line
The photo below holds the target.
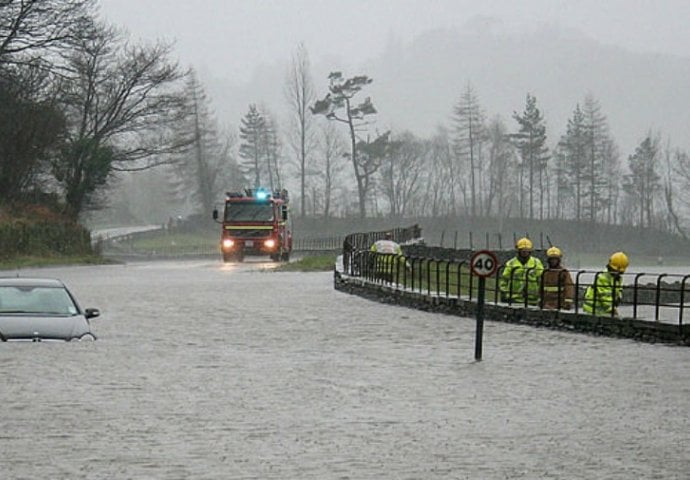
476,165
82,102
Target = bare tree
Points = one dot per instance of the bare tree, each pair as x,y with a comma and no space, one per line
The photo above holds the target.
332,153
611,178
401,172
34,31
677,186
439,197
31,132
500,155
299,91
122,102
468,121
338,105
33,35
681,171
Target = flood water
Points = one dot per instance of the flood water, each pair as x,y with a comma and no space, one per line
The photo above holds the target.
211,371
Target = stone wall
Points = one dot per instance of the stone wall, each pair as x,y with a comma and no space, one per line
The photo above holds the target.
640,330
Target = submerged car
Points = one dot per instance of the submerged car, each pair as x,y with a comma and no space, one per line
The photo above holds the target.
37,309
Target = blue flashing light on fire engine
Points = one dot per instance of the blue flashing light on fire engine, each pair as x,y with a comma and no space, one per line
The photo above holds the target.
261,194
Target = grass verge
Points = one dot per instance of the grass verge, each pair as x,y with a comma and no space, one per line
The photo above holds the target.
28,261
164,240
312,263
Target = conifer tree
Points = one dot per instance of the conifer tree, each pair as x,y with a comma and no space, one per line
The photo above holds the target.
644,182
596,138
573,147
272,149
207,168
468,123
252,146
531,143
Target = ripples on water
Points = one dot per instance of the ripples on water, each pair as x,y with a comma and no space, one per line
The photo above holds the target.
215,372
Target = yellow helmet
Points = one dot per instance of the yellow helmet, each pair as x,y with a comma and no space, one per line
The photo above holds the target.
618,262
554,252
524,244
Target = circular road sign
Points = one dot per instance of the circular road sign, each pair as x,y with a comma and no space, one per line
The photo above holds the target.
484,263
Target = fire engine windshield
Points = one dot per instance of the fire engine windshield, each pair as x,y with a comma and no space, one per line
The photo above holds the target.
248,212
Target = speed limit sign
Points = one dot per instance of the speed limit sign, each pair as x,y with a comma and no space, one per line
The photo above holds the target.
484,263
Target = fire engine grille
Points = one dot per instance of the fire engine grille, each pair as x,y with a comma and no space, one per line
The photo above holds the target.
249,233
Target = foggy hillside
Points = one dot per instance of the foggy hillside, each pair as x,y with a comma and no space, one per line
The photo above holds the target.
636,91
416,83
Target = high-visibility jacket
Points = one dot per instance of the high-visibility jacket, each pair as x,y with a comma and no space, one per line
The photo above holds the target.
386,246
609,291
559,289
386,263
521,280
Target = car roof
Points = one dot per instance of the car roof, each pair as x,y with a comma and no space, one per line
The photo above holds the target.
30,282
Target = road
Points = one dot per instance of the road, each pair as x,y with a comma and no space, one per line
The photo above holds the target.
212,371
106,233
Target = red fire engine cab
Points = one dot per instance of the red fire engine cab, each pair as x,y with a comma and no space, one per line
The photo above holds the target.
255,222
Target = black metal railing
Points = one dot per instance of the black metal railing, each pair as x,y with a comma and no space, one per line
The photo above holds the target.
317,244
663,297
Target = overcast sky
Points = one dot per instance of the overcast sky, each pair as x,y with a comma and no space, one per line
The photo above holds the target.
231,38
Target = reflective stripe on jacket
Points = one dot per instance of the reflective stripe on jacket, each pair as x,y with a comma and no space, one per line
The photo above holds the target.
609,291
518,279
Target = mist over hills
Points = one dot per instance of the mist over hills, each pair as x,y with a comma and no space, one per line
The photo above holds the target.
636,91
417,83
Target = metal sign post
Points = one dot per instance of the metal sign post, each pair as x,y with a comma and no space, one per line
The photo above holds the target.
482,264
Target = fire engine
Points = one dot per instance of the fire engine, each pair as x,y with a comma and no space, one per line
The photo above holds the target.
255,222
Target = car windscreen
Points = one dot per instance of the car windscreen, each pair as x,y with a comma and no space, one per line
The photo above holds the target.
248,212
36,300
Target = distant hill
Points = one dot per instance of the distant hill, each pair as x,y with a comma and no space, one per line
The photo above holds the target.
416,83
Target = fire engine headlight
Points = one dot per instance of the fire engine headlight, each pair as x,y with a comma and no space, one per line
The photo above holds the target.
270,243
228,243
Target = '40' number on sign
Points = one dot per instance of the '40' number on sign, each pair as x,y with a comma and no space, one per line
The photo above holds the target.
484,264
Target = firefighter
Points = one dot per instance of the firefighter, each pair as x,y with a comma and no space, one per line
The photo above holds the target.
521,275
384,265
559,289
604,296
